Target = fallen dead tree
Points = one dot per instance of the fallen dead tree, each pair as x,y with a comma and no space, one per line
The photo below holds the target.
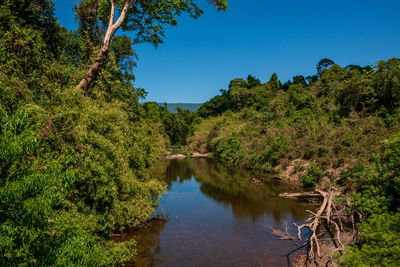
330,218
331,227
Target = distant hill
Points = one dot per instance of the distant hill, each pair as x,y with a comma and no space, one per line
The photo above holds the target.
190,106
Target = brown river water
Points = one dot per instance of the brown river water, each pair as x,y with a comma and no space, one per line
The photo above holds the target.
216,216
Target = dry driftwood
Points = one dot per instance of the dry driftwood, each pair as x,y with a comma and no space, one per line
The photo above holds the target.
327,216
305,196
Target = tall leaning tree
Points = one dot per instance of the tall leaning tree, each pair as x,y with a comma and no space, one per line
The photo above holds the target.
146,19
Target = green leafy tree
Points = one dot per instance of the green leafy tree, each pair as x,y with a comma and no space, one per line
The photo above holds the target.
324,64
216,105
387,83
124,56
299,79
274,82
358,68
37,14
312,79
238,92
354,67
146,19
299,96
286,85
252,81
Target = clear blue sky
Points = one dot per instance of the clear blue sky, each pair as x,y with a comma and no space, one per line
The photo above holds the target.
260,37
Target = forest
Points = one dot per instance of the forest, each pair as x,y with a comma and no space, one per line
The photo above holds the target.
76,144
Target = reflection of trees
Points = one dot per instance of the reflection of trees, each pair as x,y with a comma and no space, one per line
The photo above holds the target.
148,244
179,170
232,186
173,171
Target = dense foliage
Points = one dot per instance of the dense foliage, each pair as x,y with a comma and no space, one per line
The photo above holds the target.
341,115
338,90
328,130
178,126
377,199
73,164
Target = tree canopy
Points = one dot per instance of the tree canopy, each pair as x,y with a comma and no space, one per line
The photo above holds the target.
144,19
324,64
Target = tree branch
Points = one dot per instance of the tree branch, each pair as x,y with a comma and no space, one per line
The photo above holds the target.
94,70
322,216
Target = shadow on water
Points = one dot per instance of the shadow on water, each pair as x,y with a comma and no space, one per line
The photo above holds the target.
148,236
217,217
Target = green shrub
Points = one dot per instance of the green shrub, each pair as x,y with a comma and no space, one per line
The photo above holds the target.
378,243
275,151
229,148
377,199
312,177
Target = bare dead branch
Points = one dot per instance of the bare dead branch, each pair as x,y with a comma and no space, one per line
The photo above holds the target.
326,216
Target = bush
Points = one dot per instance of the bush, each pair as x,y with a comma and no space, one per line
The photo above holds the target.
228,148
312,177
378,243
377,198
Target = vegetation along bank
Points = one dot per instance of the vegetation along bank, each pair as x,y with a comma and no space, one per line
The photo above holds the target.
75,143
337,131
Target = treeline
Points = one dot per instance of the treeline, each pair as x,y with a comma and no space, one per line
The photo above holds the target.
362,89
178,126
73,163
336,129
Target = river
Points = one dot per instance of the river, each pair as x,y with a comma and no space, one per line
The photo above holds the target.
217,216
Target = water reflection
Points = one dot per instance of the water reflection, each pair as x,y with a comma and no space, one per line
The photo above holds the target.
148,238
231,186
217,217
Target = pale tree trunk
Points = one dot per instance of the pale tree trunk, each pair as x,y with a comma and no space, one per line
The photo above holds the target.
94,70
